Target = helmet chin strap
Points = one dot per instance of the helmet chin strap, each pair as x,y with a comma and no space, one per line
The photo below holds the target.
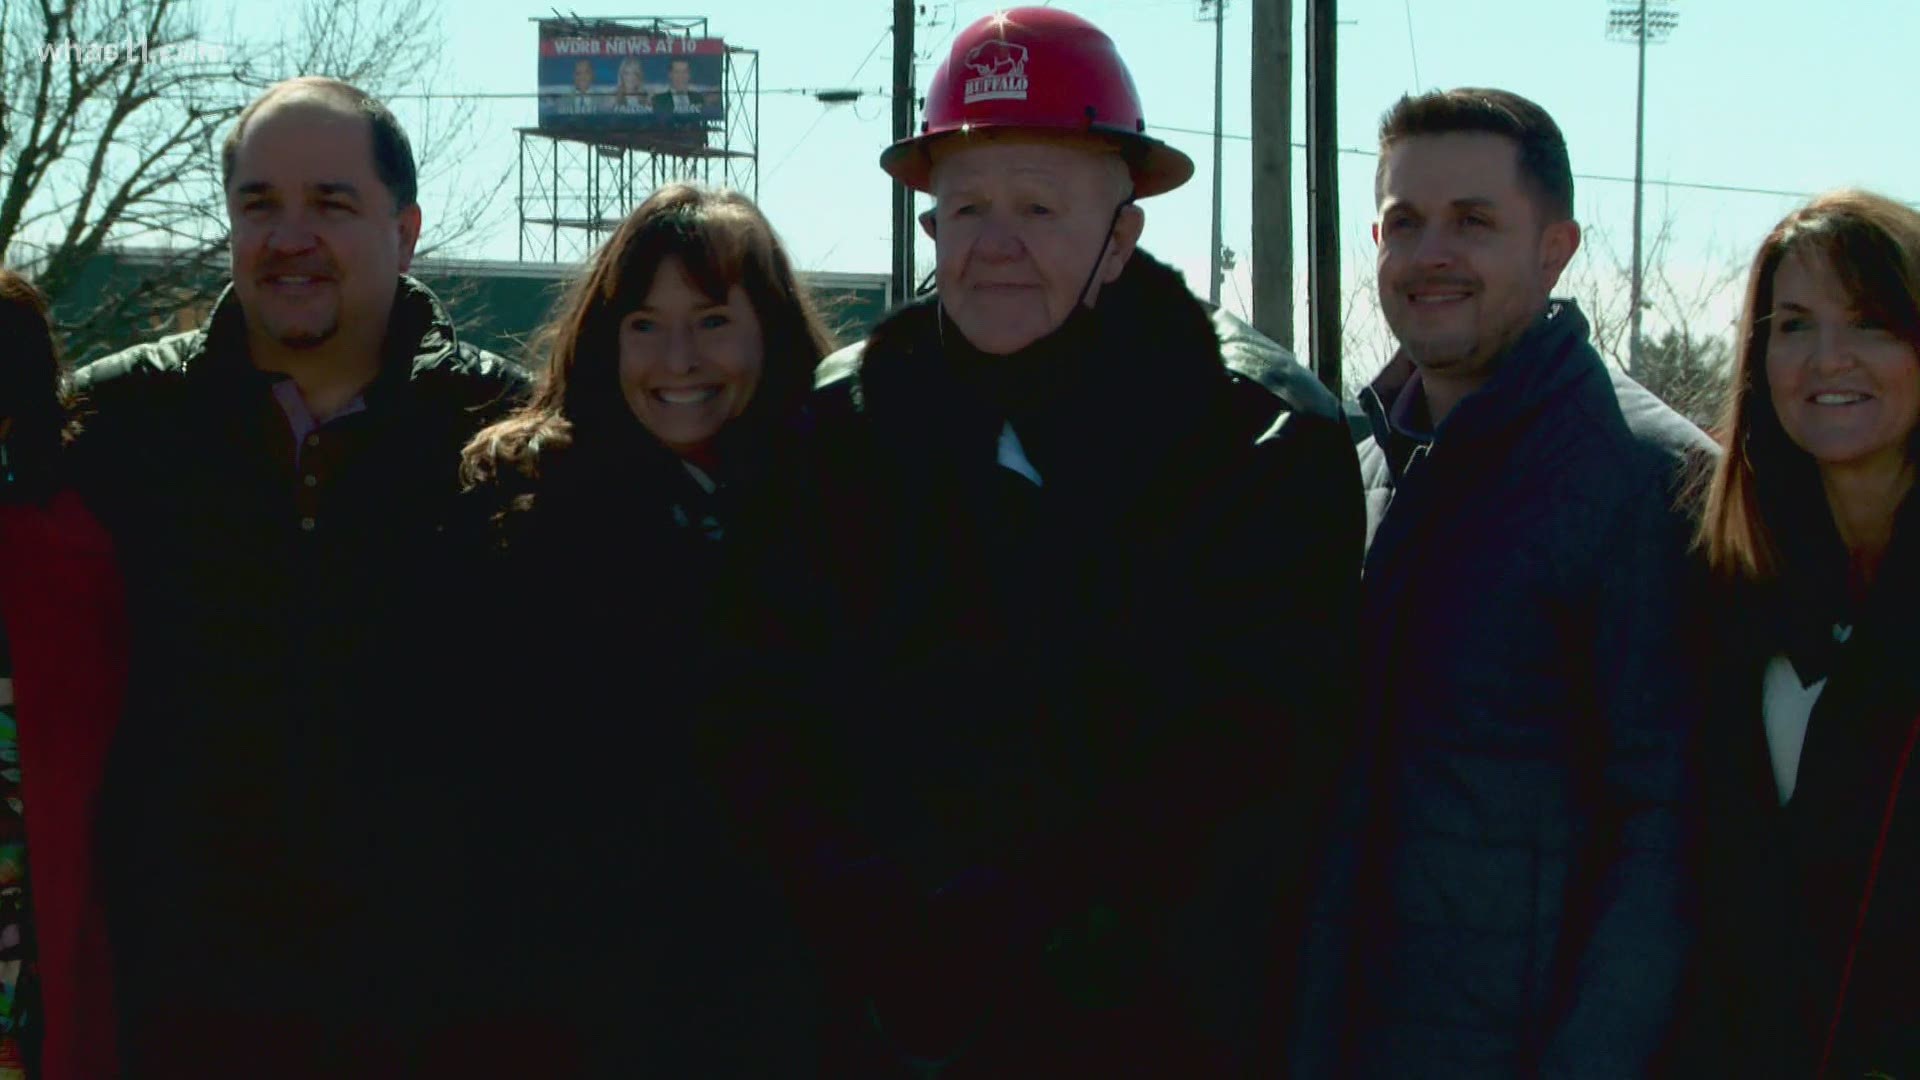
1106,239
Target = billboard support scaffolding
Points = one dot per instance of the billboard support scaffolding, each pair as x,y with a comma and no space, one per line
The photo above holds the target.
627,106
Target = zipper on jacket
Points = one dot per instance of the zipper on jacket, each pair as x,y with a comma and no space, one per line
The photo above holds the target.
1420,450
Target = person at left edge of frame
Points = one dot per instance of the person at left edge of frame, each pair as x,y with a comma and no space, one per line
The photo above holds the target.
63,658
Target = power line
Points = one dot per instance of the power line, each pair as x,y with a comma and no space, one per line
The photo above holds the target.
884,35
802,140
1412,49
1736,189
1693,185
797,143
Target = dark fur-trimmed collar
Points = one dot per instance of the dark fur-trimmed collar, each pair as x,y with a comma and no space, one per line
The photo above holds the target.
1151,403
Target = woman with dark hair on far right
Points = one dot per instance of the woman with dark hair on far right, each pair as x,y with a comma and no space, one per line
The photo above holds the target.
1812,905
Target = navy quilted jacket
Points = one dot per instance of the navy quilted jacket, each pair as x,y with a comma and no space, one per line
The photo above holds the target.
1510,896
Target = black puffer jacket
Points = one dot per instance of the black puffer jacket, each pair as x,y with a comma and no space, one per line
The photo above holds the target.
1094,717
273,805
1511,898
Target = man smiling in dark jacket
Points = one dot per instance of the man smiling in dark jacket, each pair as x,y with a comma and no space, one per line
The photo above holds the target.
273,482
1511,897
1105,546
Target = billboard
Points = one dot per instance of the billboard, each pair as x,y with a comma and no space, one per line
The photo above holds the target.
609,78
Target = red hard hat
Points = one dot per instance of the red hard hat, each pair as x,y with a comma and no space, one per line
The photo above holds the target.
1039,70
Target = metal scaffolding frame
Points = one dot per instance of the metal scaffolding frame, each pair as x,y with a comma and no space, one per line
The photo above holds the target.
576,187
743,122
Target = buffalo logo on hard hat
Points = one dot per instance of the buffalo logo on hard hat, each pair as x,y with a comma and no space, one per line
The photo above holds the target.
999,72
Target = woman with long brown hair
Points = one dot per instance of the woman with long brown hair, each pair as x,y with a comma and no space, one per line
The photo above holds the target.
707,258
62,680
642,509
1813,836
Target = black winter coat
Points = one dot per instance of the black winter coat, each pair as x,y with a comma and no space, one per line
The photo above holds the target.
1785,884
273,808
656,652
1092,718
1511,896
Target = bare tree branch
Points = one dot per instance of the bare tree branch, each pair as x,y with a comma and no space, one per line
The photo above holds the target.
104,145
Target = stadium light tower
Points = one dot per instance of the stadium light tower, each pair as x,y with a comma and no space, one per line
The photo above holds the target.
1640,22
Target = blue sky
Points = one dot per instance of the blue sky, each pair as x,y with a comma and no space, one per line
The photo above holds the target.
1748,93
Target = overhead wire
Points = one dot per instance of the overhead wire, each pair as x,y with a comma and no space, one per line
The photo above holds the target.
1737,189
1692,185
884,35
1412,49
802,140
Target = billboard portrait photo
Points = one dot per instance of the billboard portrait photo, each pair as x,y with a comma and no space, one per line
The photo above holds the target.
609,78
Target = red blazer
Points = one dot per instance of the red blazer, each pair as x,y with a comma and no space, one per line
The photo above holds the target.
62,600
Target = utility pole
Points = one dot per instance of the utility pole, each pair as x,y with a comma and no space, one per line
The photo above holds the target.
1272,70
1323,196
1273,170
1217,11
909,221
1636,23
903,224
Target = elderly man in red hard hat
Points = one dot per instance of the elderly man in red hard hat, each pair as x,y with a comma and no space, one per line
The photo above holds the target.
1100,547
